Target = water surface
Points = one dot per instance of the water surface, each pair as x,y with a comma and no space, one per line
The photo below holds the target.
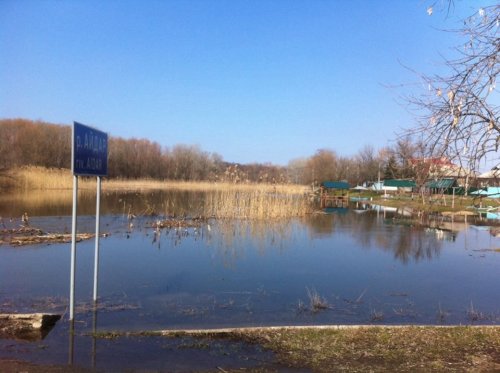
365,265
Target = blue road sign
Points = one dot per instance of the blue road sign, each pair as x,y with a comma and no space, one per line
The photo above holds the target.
89,151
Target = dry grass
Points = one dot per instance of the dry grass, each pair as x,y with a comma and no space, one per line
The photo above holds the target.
317,302
222,200
259,202
200,186
32,178
439,205
382,349
29,178
364,348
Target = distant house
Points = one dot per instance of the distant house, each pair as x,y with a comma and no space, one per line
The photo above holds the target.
441,167
490,192
380,187
490,178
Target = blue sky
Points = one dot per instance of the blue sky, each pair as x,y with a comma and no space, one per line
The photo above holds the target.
255,81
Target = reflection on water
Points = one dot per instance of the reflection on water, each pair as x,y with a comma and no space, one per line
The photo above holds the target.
368,265
59,203
410,244
414,243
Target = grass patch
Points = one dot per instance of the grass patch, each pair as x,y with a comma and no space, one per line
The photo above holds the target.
385,348
365,348
436,205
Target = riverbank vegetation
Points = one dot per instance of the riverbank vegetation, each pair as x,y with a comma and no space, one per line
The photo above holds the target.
410,348
439,204
362,348
220,199
224,199
36,156
26,143
351,349
31,178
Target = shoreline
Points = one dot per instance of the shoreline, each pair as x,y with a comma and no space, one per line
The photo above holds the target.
312,348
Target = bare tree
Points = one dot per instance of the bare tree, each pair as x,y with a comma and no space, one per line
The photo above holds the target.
421,168
458,114
368,164
404,152
322,166
297,170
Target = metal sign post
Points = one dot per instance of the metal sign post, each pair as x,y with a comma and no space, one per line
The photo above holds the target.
89,157
73,248
97,219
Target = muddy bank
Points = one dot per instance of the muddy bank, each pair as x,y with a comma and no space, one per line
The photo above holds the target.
15,366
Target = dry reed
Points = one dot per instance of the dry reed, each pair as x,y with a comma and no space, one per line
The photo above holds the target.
222,200
50,178
198,186
32,178
255,203
316,301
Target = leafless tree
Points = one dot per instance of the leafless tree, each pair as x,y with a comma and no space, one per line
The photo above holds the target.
297,170
458,112
322,166
368,164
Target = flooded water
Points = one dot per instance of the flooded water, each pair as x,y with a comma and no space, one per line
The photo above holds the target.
346,266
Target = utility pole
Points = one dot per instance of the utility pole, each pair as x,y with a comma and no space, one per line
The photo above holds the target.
378,184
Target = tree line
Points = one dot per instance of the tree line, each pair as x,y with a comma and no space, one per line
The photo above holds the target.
36,143
368,165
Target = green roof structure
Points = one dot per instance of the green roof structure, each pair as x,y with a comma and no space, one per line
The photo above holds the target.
441,184
400,183
335,185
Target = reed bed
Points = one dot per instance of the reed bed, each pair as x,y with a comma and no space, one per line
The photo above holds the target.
200,186
33,178
256,203
50,178
208,199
